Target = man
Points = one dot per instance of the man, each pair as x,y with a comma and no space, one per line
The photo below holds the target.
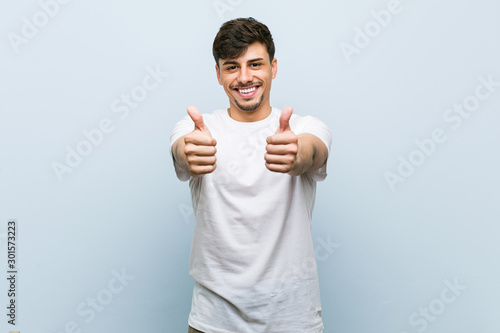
252,170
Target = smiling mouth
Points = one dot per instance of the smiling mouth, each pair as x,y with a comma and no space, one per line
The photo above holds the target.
247,92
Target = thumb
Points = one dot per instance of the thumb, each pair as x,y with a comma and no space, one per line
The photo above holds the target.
285,120
197,118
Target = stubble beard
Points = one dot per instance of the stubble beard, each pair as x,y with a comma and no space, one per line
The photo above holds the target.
251,107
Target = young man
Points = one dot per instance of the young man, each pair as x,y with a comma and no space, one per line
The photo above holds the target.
252,170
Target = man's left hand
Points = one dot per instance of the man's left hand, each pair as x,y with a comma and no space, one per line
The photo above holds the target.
282,147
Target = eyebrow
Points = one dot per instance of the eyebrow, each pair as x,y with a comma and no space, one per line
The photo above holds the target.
232,62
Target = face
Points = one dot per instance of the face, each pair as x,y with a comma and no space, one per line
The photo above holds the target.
247,79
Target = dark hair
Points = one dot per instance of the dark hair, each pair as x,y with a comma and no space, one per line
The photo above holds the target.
236,35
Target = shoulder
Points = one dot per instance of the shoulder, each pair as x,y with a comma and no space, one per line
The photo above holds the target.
215,116
301,122
310,125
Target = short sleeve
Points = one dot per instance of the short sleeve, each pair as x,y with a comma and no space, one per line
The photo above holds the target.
312,125
183,127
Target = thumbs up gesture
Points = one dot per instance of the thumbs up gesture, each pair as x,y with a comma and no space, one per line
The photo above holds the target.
199,146
282,147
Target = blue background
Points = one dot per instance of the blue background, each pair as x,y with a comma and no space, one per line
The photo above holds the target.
386,253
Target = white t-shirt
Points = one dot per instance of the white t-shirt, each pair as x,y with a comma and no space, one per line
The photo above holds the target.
252,256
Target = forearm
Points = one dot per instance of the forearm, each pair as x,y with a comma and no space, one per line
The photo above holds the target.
311,154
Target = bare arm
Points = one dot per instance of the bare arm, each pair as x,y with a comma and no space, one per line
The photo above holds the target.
294,154
312,154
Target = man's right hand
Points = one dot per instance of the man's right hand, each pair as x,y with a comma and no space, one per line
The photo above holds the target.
199,146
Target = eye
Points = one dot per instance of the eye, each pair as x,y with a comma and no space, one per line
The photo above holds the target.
255,65
230,68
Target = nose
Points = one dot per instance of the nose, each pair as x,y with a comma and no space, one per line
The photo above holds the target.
245,75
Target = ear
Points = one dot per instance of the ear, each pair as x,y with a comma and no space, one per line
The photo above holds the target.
217,70
274,67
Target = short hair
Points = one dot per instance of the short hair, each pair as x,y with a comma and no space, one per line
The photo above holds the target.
236,35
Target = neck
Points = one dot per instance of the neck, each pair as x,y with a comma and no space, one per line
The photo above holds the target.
249,116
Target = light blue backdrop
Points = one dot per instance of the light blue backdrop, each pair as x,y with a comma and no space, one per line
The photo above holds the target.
406,226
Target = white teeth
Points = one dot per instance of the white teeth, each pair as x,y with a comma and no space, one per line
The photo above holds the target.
246,91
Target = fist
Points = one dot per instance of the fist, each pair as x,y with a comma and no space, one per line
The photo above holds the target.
282,147
199,146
